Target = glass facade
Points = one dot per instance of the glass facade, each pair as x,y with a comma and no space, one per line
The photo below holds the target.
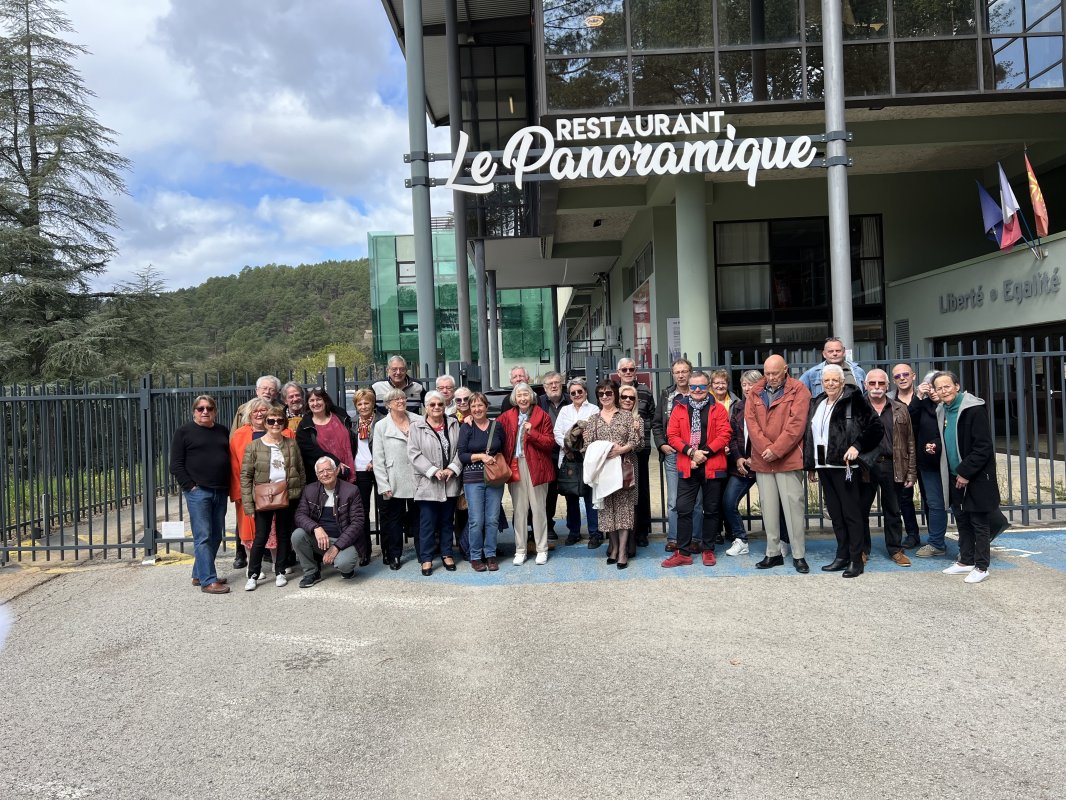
635,54
526,325
774,288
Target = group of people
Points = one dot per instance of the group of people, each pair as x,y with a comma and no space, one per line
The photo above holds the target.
302,472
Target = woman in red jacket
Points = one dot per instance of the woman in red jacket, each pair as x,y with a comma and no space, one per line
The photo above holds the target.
529,442
699,431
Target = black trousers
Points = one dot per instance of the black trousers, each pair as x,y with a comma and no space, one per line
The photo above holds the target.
688,489
905,500
843,503
642,518
974,538
399,518
881,479
283,520
365,483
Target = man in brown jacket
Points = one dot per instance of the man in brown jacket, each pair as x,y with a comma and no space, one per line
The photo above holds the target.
892,462
776,416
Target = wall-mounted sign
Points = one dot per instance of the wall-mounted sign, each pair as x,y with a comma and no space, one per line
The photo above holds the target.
1013,291
534,152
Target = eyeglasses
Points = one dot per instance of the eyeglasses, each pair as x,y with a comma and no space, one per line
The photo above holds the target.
631,398
900,376
877,383
434,405
274,421
576,392
627,369
698,387
204,409
462,400
605,393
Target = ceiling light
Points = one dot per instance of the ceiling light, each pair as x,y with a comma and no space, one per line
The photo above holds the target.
594,21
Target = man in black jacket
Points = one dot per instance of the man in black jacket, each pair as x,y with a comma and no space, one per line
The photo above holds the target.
330,523
199,461
968,473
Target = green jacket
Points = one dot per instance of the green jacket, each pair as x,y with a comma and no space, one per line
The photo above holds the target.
255,469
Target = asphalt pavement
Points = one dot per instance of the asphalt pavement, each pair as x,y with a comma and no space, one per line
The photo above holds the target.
569,680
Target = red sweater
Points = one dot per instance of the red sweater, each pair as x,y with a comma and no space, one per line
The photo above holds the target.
716,434
538,444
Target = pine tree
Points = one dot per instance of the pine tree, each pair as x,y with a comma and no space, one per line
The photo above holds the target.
58,165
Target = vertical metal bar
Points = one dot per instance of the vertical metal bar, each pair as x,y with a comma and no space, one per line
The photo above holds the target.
147,465
494,329
1023,432
455,116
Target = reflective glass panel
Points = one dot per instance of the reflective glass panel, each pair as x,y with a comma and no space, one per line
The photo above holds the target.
1052,79
584,26
757,21
673,80
1043,52
946,66
586,83
744,288
866,71
1004,16
744,336
1008,64
938,18
1043,16
863,19
662,24
761,75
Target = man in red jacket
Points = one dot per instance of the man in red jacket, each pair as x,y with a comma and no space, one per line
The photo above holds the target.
699,431
776,415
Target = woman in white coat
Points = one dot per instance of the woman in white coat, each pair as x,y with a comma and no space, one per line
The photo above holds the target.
395,477
433,448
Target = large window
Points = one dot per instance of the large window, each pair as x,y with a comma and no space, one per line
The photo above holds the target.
637,54
773,283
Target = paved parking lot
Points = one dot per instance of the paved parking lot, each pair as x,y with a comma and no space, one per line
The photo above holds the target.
567,680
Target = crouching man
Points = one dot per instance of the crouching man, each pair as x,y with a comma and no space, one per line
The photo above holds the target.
329,523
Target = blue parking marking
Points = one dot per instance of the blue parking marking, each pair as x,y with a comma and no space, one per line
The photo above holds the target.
577,563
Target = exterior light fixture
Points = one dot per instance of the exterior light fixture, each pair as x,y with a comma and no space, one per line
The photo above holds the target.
594,21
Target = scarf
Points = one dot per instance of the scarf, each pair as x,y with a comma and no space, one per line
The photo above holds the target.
364,428
695,418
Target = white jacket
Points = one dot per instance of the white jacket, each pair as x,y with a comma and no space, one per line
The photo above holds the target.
568,415
602,474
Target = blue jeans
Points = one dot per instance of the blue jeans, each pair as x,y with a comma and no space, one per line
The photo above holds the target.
435,518
207,517
573,513
670,470
735,490
936,511
483,520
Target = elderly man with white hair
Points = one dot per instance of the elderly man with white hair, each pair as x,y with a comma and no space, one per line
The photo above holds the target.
330,520
399,379
446,386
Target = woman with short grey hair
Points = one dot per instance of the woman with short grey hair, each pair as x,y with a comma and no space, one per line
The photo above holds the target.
395,477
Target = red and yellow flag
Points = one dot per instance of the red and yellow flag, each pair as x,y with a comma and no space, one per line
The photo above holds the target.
1037,197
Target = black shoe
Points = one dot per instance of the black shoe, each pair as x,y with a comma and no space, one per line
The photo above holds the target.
836,565
642,541
910,543
573,538
395,563
447,566
364,561
623,564
854,571
611,560
553,536
348,575
770,561
386,560
801,565
595,541
719,539
241,561
310,579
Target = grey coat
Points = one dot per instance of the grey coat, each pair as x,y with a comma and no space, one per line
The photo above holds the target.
426,455
392,467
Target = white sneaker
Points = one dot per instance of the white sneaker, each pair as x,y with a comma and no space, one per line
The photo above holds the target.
519,559
250,585
976,575
281,580
785,547
542,558
958,569
738,548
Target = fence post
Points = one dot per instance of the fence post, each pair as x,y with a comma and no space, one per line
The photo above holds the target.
334,382
148,463
1021,393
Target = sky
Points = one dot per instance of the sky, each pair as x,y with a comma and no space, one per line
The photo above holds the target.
259,131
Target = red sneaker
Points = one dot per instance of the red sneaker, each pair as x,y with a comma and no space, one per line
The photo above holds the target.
708,558
678,559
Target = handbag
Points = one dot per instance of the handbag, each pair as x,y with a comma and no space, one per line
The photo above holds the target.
570,477
497,471
629,478
271,496
515,475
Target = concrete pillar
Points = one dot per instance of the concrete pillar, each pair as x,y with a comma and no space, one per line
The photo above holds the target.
455,115
695,308
482,309
494,330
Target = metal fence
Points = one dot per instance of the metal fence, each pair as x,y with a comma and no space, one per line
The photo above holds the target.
85,470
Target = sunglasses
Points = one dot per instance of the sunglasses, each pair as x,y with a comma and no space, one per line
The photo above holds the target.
462,400
877,383
274,421
605,393
434,405
698,387
900,376
204,409
631,398
627,369
577,392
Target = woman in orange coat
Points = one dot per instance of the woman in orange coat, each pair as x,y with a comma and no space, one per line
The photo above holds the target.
254,429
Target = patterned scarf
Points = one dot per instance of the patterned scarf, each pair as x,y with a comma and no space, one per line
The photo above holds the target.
364,428
695,407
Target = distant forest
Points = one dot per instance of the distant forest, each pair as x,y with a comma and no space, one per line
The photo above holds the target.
263,319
